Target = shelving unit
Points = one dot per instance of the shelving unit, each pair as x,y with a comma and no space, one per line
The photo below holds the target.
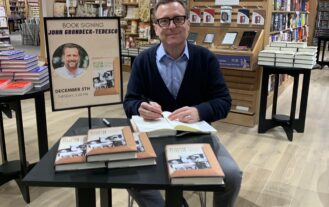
243,82
4,30
33,9
322,20
17,14
288,22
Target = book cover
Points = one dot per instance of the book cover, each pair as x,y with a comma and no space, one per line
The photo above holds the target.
145,153
165,127
208,16
226,15
195,15
111,143
11,54
193,164
16,88
243,16
192,36
71,154
258,17
4,82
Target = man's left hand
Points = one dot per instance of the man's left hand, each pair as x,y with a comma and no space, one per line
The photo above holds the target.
185,114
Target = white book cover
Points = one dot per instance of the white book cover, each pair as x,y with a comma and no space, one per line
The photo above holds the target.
305,66
266,53
284,54
278,64
265,63
243,16
297,44
226,15
258,17
291,49
272,59
278,44
267,47
195,15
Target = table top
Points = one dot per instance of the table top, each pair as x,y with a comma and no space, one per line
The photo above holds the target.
146,177
30,94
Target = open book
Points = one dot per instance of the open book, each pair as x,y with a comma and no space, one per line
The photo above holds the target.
166,127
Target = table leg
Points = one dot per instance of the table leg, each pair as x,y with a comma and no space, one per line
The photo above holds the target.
2,141
40,112
106,197
85,197
300,123
174,198
263,102
22,154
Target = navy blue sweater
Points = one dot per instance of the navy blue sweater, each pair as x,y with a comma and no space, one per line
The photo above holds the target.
203,85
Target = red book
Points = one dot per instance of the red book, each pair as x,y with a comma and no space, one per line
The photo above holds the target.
4,82
16,88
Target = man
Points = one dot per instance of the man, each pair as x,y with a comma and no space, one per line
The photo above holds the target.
71,59
184,79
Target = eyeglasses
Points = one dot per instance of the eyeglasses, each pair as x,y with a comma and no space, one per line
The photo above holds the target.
165,22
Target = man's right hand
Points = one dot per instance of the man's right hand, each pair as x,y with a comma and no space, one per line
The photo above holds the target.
150,111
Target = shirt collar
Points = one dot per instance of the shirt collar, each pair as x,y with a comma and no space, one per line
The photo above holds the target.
161,53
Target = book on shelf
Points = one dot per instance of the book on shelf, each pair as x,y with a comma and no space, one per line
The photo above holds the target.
145,153
243,16
208,15
307,62
71,154
111,143
11,54
35,72
209,38
192,36
284,60
195,15
304,66
269,63
266,59
19,65
258,17
193,164
16,88
266,53
284,64
226,15
247,39
165,127
313,49
19,69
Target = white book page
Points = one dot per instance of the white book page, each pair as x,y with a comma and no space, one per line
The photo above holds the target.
200,126
150,125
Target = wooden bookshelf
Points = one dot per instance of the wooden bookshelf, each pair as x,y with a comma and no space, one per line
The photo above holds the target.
243,82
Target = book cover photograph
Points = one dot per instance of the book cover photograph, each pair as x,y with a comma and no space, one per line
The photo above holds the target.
258,17
193,164
208,16
243,16
84,61
195,15
111,143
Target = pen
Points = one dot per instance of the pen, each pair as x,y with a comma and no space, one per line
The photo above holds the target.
106,122
145,99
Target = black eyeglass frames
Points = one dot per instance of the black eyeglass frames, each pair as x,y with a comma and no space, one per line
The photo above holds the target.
165,22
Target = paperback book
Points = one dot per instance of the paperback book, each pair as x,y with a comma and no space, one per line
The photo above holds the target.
11,54
16,88
145,154
193,164
165,127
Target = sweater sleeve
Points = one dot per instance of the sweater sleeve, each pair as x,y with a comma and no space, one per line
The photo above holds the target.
218,100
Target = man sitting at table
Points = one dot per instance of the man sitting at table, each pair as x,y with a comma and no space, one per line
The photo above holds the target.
185,79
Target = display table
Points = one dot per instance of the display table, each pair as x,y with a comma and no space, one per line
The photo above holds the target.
17,169
85,181
289,123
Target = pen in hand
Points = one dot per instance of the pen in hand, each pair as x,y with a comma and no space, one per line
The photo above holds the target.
155,106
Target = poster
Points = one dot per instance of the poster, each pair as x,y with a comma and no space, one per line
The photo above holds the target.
84,61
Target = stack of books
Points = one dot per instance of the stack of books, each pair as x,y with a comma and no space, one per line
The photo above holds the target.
111,147
23,67
288,54
16,88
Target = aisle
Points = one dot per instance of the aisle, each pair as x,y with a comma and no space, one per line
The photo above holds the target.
16,41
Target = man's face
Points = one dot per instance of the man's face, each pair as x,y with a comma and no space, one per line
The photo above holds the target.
71,58
172,35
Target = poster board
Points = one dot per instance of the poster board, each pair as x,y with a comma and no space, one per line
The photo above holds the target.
84,61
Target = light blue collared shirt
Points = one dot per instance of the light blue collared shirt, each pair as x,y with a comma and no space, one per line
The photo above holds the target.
172,71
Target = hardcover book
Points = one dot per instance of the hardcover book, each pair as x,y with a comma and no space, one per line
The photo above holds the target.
4,82
21,60
258,17
208,15
195,15
193,164
145,153
165,127
112,143
243,16
71,154
192,36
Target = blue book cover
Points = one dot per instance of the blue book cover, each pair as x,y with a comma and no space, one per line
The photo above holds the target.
11,52
39,69
26,57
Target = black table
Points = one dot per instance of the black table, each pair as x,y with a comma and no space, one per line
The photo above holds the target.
17,169
85,182
289,123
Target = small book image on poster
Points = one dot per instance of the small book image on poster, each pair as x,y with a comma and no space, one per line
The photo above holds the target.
229,38
247,39
105,76
209,38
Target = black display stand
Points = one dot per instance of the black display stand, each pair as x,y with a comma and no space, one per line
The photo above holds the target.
289,123
86,181
17,169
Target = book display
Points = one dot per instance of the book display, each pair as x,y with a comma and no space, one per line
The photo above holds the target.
17,14
239,34
322,21
193,164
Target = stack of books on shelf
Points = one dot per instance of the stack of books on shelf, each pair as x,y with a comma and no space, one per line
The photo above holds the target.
111,147
18,66
288,54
